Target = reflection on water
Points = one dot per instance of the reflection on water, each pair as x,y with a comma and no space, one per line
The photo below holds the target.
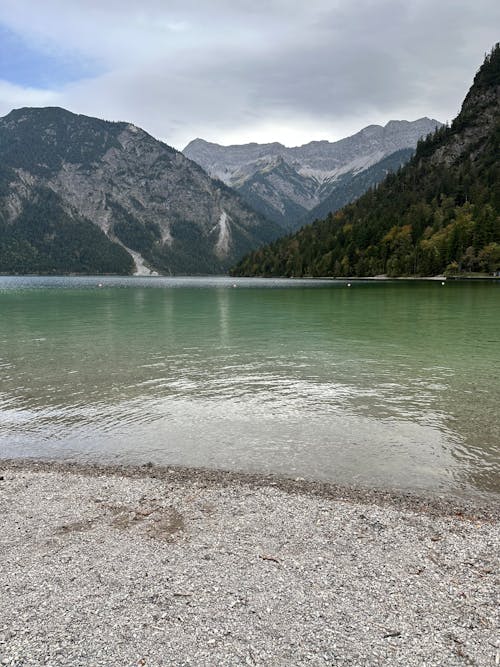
384,384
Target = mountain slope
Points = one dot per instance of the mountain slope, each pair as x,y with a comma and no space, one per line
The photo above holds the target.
280,193
47,239
287,183
441,212
142,198
350,187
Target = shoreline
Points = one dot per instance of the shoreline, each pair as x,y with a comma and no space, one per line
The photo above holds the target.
146,566
480,506
228,276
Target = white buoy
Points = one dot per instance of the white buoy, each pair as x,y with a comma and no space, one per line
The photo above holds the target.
99,285
443,283
348,284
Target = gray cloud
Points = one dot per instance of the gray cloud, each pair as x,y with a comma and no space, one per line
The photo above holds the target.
235,71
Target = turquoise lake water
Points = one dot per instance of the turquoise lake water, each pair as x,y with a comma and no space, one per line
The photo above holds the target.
386,384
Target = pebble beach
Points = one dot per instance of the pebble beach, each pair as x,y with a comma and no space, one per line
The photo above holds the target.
139,566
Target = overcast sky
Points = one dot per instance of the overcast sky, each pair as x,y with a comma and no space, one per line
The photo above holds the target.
234,71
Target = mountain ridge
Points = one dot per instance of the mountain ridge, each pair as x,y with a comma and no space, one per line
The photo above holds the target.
317,166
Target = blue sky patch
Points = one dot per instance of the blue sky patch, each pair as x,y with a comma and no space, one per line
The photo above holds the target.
28,65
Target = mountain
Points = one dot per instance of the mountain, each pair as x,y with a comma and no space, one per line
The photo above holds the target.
440,212
350,187
285,184
79,194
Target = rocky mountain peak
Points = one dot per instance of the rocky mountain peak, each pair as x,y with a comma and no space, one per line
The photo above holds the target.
285,183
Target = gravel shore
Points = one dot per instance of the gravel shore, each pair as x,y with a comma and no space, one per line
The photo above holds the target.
147,566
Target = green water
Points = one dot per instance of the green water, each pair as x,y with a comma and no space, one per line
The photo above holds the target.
391,384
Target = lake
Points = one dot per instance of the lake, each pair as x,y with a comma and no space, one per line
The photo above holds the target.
383,383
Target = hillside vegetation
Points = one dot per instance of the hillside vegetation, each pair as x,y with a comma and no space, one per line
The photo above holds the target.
84,195
439,213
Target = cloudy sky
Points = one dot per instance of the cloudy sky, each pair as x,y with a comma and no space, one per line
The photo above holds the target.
234,71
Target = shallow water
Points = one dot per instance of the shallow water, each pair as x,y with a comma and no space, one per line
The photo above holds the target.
390,384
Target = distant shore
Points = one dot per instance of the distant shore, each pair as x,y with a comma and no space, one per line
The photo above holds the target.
161,566
382,277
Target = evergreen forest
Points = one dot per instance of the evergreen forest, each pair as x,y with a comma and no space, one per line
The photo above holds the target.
440,213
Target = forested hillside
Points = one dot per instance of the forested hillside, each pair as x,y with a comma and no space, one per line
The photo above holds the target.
83,195
439,213
46,239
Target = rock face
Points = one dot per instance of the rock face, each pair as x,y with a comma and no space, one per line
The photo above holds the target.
142,195
479,116
286,183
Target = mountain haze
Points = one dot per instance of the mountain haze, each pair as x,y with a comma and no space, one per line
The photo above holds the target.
79,194
440,212
285,184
